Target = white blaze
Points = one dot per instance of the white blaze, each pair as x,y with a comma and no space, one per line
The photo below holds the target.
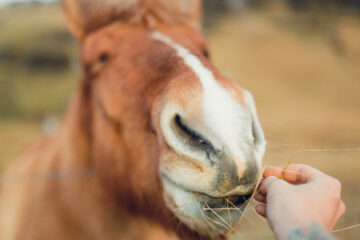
227,119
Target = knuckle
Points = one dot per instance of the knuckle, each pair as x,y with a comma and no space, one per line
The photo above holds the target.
337,200
273,187
342,207
269,181
338,205
335,185
276,186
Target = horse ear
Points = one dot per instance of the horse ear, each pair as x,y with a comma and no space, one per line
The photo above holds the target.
178,11
85,16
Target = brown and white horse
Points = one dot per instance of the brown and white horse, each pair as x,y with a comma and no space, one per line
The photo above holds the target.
155,137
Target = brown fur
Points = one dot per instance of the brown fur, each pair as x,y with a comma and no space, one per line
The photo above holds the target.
98,178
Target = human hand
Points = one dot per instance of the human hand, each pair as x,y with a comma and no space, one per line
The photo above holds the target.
305,196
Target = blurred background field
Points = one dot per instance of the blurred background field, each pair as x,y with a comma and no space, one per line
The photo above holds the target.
300,59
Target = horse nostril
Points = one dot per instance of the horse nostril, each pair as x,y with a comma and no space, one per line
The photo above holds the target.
193,139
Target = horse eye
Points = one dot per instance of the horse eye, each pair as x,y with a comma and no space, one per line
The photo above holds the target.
206,53
95,67
103,58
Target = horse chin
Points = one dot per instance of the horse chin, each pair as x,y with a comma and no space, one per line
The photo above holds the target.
206,215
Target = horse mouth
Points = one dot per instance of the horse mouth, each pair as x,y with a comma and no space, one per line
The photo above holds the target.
211,204
233,202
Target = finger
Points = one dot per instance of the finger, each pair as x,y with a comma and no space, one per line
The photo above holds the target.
261,210
261,183
340,212
260,197
295,173
273,171
266,183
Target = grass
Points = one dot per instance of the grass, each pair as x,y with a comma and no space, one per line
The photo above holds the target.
304,73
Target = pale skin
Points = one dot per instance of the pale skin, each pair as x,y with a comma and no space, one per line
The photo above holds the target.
304,196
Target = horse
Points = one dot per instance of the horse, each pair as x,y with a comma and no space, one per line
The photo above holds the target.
155,144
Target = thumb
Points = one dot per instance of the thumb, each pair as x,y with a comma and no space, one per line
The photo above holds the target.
268,182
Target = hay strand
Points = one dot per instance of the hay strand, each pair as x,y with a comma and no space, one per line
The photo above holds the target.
315,150
346,228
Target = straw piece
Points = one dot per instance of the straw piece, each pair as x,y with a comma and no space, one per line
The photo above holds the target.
315,150
346,228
